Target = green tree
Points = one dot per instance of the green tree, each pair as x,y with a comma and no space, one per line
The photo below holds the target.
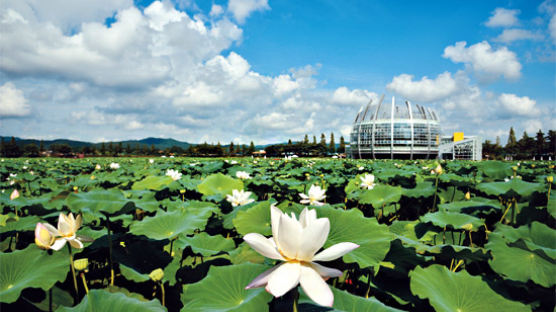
332,145
342,147
31,150
231,148
323,139
152,150
525,147
41,146
128,149
251,148
314,139
12,149
2,147
103,149
306,139
511,146
540,143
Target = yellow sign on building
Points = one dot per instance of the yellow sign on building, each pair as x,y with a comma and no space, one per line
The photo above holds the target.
458,136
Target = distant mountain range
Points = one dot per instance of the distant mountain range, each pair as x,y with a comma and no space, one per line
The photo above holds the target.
159,143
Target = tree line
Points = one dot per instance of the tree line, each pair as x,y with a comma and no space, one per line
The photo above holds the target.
527,147
306,148
13,149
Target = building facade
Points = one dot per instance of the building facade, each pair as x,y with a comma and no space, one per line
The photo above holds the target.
389,131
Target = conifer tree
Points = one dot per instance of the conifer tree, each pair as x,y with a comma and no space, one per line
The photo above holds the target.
332,145
342,147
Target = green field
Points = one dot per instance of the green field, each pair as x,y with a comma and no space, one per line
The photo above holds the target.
473,236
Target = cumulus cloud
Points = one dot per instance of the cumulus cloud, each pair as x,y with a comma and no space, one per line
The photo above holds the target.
343,95
424,90
136,50
523,106
514,34
241,9
12,101
502,18
487,62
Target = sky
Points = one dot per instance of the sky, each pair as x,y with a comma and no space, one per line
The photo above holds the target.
268,71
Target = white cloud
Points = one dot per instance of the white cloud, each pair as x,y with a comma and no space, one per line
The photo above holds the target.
488,63
523,106
552,28
424,90
12,101
514,34
343,95
241,9
532,126
502,18
216,10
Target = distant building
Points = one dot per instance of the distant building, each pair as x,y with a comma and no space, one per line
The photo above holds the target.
406,131
395,132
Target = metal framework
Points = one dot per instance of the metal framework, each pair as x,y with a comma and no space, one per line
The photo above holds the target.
395,132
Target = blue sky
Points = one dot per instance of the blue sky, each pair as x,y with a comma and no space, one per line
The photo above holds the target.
268,71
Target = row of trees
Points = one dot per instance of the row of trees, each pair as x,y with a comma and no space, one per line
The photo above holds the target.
305,148
527,147
12,149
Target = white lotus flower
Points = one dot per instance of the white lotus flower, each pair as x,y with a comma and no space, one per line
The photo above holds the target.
97,167
368,181
296,243
239,198
243,175
151,161
49,237
361,168
174,174
314,196
14,194
114,166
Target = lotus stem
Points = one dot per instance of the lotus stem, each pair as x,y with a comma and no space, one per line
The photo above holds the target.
84,282
514,208
470,240
110,251
162,293
73,272
435,194
548,195
505,212
295,299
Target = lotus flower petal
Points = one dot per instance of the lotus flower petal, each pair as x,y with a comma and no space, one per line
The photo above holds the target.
284,278
289,233
326,272
313,238
335,251
262,279
315,287
263,246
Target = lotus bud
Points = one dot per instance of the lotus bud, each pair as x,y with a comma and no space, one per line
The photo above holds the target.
75,188
92,177
14,195
156,275
467,196
81,264
182,191
533,166
438,169
550,179
514,168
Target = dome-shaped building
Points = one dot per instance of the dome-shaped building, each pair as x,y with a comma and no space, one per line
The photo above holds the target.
393,131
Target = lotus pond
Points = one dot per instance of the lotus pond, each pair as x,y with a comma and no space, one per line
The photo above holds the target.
168,234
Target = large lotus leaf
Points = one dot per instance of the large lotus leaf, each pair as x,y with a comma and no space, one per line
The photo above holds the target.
471,206
450,291
351,226
132,275
495,169
229,217
422,189
536,236
167,225
345,302
30,267
512,188
145,200
244,253
20,224
206,244
381,195
254,220
455,220
520,264
155,183
224,290
219,184
98,202
456,180
354,184
551,206
102,300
